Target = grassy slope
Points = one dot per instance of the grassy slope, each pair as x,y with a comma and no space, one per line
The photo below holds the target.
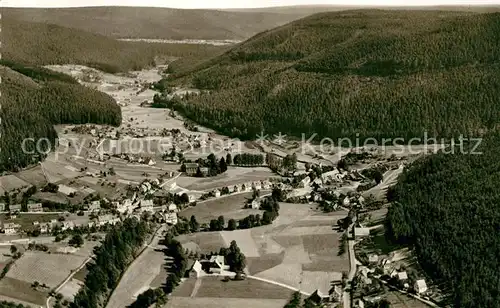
376,73
166,23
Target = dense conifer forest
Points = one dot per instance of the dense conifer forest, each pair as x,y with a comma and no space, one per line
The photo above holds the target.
31,106
448,207
375,73
44,43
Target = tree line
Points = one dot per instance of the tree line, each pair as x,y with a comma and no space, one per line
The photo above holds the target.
118,249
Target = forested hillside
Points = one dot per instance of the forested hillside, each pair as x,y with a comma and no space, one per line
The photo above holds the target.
45,43
373,73
31,106
448,207
161,23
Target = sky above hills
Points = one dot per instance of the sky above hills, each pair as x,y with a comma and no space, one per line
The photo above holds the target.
236,3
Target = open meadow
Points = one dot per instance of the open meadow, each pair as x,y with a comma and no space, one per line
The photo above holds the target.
230,206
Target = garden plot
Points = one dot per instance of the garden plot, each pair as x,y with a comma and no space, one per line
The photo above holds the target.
50,269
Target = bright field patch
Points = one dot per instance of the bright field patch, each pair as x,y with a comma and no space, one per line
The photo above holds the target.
248,288
205,241
50,269
214,302
244,240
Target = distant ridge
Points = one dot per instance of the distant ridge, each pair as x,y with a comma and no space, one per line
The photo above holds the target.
157,23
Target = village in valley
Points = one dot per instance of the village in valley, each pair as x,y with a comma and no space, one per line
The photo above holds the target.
258,223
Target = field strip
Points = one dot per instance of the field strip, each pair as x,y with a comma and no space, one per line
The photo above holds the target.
135,262
68,278
278,284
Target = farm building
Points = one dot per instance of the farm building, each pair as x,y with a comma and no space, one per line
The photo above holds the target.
191,168
35,207
362,232
420,286
217,193
2,207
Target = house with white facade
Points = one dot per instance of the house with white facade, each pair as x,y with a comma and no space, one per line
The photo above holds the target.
420,286
35,207
11,228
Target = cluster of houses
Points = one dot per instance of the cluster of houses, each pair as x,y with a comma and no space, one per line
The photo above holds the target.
391,269
168,214
14,208
331,293
245,187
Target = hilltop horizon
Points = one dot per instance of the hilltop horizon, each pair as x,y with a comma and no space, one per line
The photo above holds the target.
220,5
